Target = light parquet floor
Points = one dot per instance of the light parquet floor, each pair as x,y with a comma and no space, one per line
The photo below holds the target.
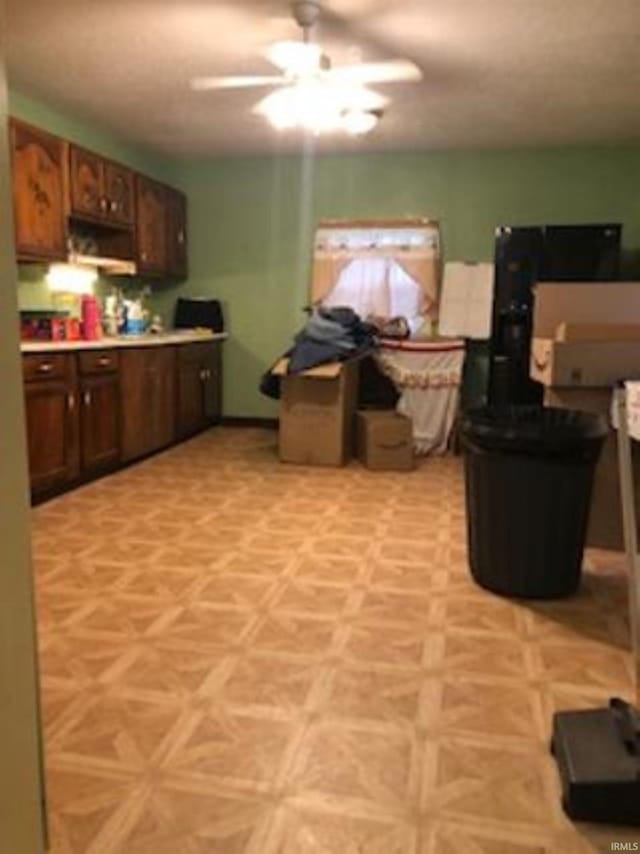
243,657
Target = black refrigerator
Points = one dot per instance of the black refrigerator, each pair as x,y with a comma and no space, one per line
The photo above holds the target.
525,255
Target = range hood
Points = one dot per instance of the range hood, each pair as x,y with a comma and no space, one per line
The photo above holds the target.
112,252
109,266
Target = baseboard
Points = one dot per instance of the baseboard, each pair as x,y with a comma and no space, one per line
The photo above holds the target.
249,421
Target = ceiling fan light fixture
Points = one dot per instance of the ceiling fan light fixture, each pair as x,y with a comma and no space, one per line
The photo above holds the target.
358,98
306,104
313,95
317,106
360,122
296,59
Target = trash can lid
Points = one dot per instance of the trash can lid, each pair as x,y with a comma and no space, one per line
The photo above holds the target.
534,429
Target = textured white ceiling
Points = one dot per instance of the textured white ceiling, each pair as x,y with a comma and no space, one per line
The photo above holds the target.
496,72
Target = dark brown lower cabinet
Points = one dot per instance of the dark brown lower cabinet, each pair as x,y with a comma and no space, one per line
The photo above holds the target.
100,422
199,387
51,405
148,400
89,412
213,385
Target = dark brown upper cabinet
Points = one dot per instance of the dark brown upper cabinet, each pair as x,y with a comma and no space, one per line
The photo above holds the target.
118,184
151,226
39,186
128,215
176,233
86,194
99,190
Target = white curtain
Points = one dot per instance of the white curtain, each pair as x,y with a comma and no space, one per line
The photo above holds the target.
379,286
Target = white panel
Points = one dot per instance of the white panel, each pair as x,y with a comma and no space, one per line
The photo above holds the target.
467,300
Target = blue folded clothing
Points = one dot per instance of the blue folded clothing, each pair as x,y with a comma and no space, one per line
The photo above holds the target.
330,335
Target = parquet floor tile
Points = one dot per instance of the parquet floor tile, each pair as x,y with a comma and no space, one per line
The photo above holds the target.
241,657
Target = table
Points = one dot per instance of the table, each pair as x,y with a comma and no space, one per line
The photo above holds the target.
626,417
428,375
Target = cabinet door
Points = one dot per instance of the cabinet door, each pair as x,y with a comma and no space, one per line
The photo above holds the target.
86,184
213,383
99,422
147,393
199,386
191,390
39,185
52,434
118,181
134,403
177,233
162,383
151,226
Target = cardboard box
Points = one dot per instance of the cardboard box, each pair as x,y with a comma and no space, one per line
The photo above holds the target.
587,363
605,519
598,332
317,413
385,440
591,364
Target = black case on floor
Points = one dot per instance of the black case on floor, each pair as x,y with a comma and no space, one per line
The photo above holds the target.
597,752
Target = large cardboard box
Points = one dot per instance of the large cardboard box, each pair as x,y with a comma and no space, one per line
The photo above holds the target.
560,355
385,440
598,332
605,519
317,413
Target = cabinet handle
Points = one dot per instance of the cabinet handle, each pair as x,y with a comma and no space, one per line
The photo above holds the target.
143,256
203,375
45,368
113,207
87,398
71,401
103,204
181,237
104,361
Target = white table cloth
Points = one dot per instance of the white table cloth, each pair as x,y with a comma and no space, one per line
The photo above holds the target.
428,375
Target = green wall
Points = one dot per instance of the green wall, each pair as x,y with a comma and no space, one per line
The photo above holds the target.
252,221
21,768
32,290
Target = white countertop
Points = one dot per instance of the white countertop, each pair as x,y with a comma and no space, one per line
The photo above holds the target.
185,336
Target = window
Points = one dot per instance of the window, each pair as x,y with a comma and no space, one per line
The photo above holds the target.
386,270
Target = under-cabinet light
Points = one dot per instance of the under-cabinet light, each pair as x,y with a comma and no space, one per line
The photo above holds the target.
71,278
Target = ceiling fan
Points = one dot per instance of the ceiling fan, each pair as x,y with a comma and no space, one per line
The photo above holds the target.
313,94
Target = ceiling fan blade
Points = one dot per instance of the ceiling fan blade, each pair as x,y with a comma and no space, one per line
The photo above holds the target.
394,71
207,84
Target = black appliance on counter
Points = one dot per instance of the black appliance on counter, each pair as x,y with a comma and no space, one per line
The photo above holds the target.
198,313
524,256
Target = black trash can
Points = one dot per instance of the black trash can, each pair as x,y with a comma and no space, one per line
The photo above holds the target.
529,476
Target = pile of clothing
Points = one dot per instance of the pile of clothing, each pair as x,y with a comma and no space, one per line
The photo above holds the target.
390,327
329,335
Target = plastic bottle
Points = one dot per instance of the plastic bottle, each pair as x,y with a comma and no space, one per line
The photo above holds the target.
91,326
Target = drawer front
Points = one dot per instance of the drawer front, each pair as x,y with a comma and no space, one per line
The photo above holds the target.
93,362
45,366
198,352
